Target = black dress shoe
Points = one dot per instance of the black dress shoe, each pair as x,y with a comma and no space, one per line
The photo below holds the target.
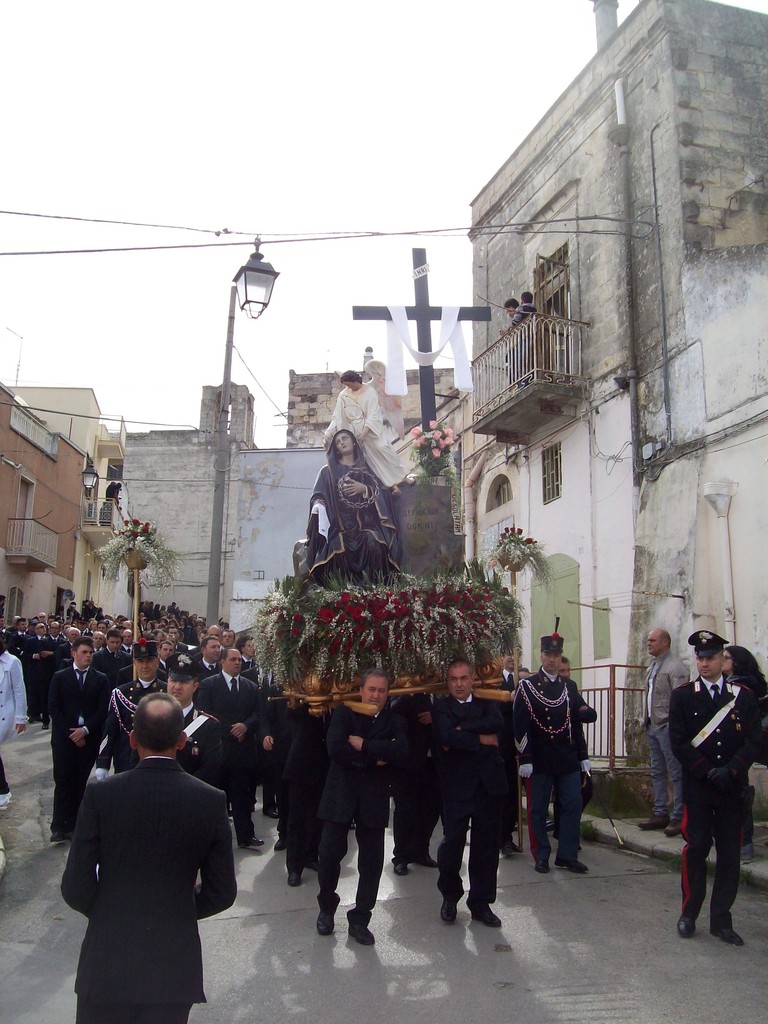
726,934
426,861
271,813
58,836
281,844
573,865
486,916
448,911
401,867
686,926
252,844
294,878
361,934
313,865
324,923
542,866
509,848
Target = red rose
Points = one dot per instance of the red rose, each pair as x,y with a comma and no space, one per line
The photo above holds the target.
136,522
519,530
529,540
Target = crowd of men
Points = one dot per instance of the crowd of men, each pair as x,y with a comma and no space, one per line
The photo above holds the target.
458,758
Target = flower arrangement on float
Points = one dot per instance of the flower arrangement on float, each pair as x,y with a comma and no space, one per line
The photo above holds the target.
432,450
514,551
139,546
411,627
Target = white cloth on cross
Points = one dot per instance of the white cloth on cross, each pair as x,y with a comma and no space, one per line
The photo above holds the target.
398,335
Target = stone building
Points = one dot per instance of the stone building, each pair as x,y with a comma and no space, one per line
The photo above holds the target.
169,475
624,424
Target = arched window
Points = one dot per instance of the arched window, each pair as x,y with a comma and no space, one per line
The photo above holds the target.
500,493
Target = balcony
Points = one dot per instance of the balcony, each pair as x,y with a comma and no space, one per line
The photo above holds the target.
31,546
111,443
529,378
29,426
100,519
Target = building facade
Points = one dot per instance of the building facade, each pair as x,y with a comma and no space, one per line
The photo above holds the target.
624,424
40,491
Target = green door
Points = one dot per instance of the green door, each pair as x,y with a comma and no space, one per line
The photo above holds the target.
560,598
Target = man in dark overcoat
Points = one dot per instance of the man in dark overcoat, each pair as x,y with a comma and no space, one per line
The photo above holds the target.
473,782
148,967
360,747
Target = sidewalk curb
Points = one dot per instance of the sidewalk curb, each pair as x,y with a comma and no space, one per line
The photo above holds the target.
659,847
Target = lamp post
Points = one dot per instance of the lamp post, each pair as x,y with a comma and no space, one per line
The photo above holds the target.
90,477
251,290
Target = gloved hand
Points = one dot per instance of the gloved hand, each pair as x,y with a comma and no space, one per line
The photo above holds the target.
102,773
720,778
586,766
526,771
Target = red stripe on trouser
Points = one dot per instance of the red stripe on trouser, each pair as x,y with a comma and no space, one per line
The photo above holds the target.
684,882
529,803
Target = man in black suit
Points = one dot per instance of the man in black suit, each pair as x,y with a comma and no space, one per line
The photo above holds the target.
111,658
360,746
77,704
159,815
473,782
415,786
234,702
38,660
305,771
206,661
715,733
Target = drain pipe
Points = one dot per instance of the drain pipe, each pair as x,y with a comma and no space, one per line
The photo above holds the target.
718,495
619,136
470,507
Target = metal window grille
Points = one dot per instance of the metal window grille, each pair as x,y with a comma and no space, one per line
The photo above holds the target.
551,473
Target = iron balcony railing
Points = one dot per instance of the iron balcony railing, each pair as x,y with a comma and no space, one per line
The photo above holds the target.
542,349
102,512
617,704
30,539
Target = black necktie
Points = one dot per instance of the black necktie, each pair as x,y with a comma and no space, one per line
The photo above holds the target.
716,695
80,678
235,690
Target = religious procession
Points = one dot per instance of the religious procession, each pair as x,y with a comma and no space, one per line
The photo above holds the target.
365,681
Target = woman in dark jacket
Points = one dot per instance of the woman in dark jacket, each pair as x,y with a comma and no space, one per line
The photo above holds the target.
740,666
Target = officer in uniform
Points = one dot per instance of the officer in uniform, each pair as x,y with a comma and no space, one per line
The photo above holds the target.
714,731
549,714
201,755
115,746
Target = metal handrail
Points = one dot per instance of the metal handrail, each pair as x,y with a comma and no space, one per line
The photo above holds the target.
541,344
604,738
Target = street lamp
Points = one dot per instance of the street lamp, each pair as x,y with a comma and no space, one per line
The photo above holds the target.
90,476
254,283
251,290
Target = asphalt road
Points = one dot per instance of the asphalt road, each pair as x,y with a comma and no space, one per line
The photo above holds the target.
594,948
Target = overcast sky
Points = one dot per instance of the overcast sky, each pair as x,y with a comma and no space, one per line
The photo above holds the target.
273,118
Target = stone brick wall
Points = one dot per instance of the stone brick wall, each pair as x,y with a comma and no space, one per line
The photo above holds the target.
312,397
